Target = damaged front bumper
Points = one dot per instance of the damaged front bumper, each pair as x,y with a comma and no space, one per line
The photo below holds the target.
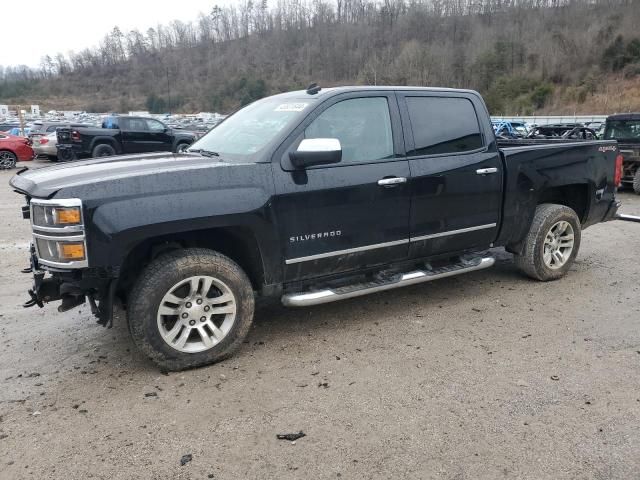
72,288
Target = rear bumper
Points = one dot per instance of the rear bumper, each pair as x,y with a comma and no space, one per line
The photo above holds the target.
45,150
24,153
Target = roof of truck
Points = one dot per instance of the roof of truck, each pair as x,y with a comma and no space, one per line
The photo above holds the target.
346,89
624,116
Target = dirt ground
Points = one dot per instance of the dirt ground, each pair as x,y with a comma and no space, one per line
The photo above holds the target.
482,376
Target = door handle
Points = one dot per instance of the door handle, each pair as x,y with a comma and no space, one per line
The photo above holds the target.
486,171
390,182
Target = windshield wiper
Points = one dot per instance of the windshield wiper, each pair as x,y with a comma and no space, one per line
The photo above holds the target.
204,153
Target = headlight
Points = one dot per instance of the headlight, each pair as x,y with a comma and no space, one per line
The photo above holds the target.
58,232
52,215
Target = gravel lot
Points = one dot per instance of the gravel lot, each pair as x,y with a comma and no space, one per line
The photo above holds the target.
482,376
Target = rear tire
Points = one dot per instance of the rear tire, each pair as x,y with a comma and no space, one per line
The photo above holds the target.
190,308
552,243
66,155
636,181
8,160
103,150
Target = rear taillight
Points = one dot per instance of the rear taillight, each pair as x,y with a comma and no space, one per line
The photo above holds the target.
44,141
75,136
617,177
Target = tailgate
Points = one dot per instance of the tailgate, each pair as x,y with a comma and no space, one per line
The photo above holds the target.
63,134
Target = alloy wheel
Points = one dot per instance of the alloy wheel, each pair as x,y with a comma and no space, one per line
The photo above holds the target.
196,314
7,160
558,245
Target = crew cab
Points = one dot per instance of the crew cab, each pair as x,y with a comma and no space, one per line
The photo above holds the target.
308,197
120,134
625,128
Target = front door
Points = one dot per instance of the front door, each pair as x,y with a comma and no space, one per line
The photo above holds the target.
134,135
456,173
159,139
350,215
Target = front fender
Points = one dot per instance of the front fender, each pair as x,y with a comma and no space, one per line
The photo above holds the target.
122,211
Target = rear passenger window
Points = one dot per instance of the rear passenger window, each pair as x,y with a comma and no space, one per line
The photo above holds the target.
134,124
363,126
443,125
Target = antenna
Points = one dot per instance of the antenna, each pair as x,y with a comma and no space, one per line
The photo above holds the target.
313,89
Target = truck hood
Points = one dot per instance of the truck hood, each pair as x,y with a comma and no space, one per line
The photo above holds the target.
118,174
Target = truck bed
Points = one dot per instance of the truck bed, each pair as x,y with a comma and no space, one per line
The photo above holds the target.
535,167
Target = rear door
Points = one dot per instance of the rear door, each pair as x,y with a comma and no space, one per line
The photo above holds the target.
354,214
456,173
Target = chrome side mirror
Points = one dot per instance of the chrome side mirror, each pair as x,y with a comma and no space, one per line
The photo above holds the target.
316,151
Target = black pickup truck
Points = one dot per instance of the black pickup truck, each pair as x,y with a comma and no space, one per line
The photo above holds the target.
309,197
120,134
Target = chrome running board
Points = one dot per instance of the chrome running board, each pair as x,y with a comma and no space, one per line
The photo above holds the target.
628,218
305,299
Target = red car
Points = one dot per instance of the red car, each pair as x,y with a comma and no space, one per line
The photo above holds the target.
14,149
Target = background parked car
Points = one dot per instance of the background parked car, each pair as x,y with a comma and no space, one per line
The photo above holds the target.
46,146
14,149
43,128
568,131
19,132
6,126
505,129
625,128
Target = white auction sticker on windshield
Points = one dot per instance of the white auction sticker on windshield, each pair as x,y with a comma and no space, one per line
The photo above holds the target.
291,107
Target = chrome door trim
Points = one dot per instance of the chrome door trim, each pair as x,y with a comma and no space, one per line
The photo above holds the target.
452,232
347,251
334,253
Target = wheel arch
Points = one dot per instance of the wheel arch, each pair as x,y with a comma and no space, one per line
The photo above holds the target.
103,141
182,141
239,243
575,196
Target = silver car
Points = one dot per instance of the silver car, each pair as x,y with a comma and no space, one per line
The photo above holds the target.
45,146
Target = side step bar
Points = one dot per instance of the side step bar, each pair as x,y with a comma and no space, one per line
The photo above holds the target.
306,299
627,218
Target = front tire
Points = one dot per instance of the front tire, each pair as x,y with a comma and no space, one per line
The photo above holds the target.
190,308
8,160
552,243
182,147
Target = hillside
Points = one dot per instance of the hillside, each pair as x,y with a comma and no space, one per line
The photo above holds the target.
525,56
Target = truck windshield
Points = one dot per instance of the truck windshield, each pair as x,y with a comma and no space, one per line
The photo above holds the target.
623,130
242,135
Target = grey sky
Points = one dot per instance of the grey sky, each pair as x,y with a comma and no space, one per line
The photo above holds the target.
40,27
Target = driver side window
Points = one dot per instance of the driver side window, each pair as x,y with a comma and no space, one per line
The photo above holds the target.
363,126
